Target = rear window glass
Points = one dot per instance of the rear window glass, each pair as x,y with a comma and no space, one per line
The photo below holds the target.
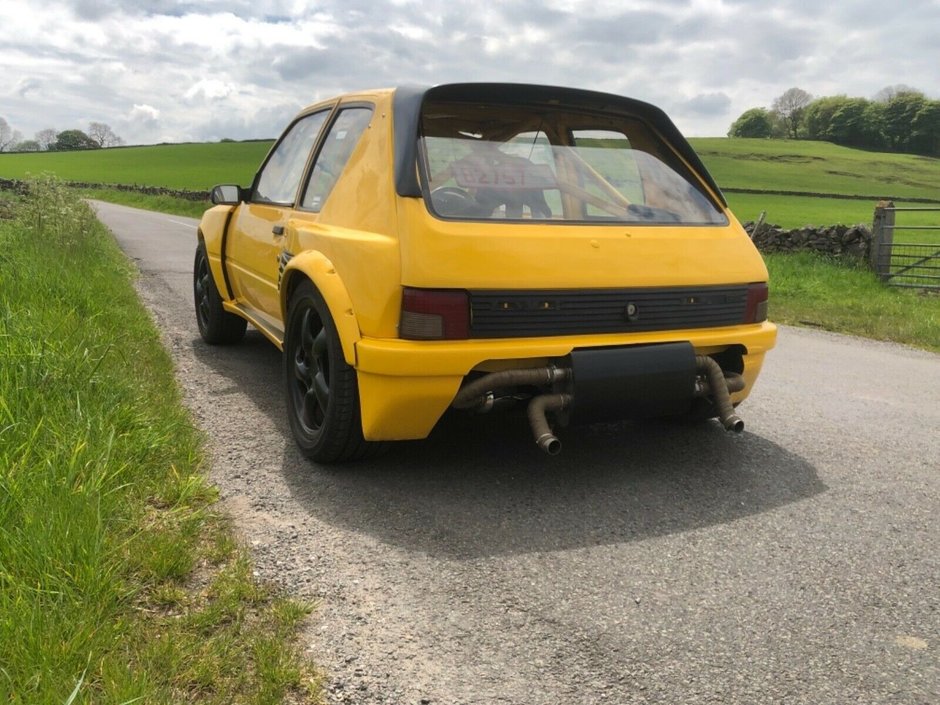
500,162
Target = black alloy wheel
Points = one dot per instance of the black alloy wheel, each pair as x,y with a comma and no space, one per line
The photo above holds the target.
322,389
216,325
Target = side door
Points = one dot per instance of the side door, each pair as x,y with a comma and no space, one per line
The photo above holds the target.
258,227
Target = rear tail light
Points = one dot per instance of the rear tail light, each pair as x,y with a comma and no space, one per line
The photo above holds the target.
756,310
434,314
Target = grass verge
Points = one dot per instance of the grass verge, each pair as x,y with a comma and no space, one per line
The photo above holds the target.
119,582
808,289
161,204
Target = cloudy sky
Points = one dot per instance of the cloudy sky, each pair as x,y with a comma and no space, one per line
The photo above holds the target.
182,70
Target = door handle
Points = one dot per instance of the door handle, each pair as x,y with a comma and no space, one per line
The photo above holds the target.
278,230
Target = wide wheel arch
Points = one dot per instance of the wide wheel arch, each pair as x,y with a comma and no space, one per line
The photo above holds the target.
316,268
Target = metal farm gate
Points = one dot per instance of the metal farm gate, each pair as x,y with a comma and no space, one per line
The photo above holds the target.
909,264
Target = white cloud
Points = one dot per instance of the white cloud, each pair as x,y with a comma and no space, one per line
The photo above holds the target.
208,89
146,114
192,69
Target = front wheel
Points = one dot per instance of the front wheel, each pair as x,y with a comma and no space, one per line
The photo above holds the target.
216,325
322,390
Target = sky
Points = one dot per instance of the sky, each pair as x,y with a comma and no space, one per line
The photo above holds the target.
204,70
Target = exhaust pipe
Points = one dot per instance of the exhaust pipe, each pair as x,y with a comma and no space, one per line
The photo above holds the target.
544,438
719,389
475,394
479,395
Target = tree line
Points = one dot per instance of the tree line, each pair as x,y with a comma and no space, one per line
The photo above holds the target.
897,119
98,136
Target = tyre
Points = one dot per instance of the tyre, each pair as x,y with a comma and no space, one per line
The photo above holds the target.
216,325
322,390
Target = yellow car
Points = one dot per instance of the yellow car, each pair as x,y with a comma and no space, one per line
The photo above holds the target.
479,246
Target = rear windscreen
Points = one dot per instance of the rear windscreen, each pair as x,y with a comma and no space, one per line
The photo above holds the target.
509,162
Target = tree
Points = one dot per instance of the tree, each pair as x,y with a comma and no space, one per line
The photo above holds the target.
752,123
789,108
71,140
46,138
103,135
875,123
817,116
8,137
848,125
889,92
899,113
26,146
926,129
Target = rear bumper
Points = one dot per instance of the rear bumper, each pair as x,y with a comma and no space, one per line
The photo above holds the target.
406,386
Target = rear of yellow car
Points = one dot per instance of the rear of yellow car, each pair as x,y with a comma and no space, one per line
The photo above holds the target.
561,249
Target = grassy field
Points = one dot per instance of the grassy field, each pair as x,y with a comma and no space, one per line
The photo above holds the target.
797,211
817,167
195,167
788,165
119,582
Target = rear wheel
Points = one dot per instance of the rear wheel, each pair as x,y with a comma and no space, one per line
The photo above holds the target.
216,325
322,390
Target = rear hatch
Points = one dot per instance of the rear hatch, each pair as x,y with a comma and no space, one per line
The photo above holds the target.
549,206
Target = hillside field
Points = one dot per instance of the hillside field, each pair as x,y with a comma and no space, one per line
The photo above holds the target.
196,167
771,165
817,167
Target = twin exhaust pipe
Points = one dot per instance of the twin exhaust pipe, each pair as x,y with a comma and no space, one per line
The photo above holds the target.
479,395
711,381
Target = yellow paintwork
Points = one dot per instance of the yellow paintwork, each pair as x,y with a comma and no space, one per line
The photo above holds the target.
367,243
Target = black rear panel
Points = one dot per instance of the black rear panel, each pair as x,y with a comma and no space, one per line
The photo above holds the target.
521,314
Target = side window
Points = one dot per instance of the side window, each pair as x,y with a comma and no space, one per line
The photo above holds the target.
281,174
337,147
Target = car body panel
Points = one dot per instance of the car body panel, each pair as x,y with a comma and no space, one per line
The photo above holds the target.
252,257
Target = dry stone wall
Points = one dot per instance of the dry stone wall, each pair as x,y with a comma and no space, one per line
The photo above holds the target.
847,241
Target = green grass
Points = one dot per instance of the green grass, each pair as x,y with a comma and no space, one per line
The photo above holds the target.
161,204
118,580
195,167
817,167
807,289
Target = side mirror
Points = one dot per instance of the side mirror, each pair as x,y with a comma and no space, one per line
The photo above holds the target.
226,195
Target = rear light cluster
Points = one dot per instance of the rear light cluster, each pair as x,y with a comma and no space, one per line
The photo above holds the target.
756,309
434,314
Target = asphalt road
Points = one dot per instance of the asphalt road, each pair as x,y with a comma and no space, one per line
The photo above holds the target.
798,562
